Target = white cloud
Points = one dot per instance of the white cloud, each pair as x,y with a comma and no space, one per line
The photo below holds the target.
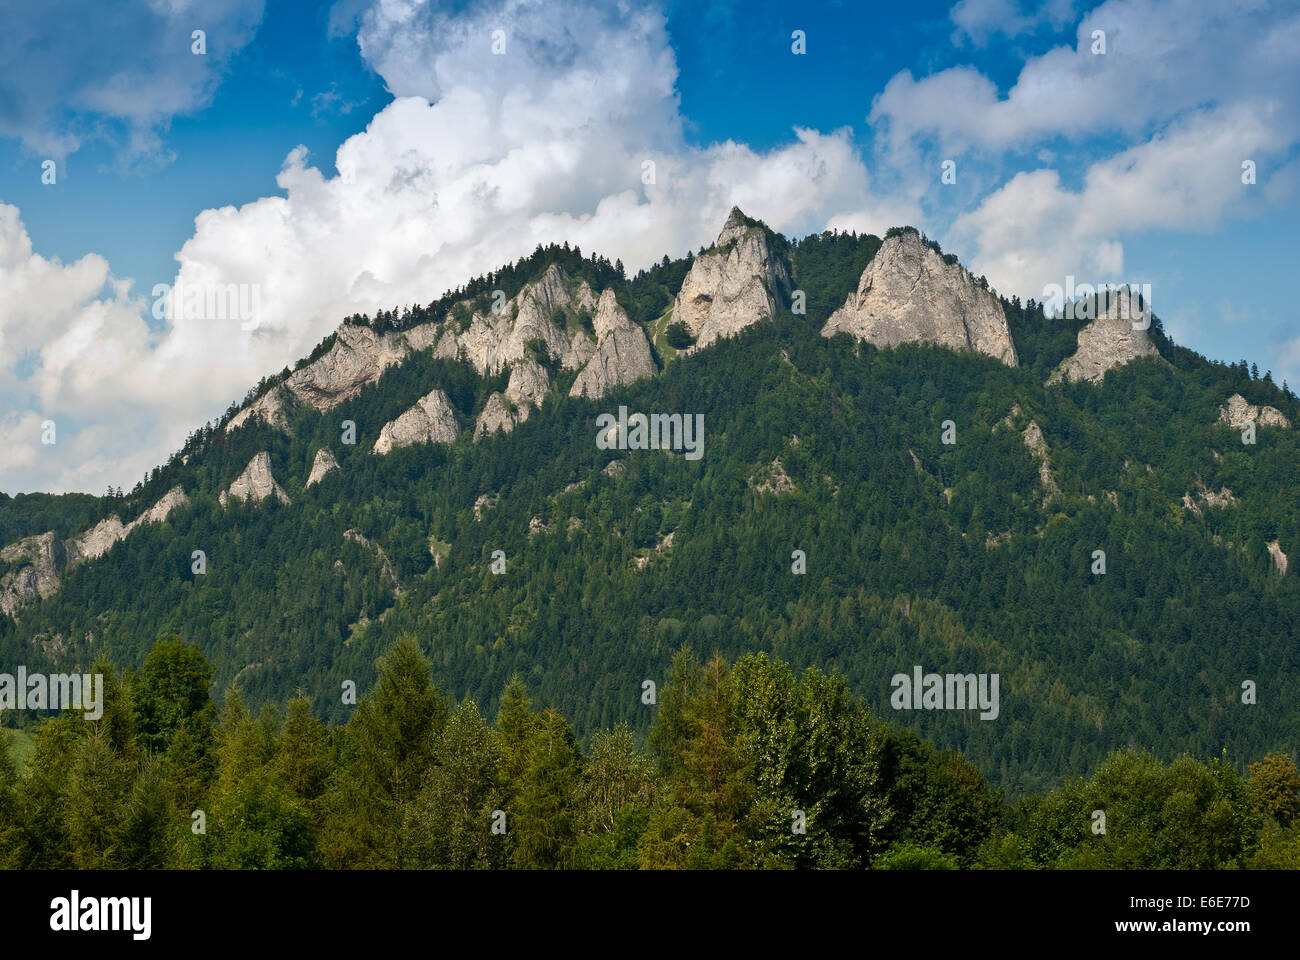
1034,231
1159,62
979,20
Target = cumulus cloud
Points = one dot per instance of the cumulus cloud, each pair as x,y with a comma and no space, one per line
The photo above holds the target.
480,157
1157,65
978,20
1034,230
74,84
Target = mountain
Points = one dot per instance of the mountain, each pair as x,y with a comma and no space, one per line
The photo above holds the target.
436,472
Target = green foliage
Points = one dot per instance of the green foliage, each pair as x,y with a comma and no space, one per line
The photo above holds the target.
678,336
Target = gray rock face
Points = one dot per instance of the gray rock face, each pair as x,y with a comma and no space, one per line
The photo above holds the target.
173,498
98,540
431,420
321,465
1279,558
732,286
255,483
497,414
1037,446
622,352
494,340
45,556
1238,411
1106,343
528,384
269,407
1202,498
908,293
358,357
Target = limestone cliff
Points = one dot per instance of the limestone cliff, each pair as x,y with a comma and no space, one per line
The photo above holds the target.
256,483
1237,411
1107,342
733,285
431,420
910,293
323,463
622,352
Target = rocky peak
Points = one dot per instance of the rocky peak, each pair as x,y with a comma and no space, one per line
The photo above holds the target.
255,484
735,227
622,352
430,420
269,408
323,463
910,293
1107,342
358,357
732,286
1238,411
494,340
161,510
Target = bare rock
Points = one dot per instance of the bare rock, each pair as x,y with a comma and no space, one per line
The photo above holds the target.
1108,342
909,293
773,479
431,420
494,340
44,556
1038,449
359,356
255,484
622,352
321,465
269,408
1201,498
497,414
733,285
98,540
528,384
1279,558
1237,411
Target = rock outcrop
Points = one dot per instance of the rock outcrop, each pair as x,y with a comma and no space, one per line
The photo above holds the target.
359,356
622,352
160,511
1238,411
1279,558
551,310
43,557
1107,342
1202,497
733,285
255,484
431,420
323,463
497,414
910,293
527,388
269,408
1037,446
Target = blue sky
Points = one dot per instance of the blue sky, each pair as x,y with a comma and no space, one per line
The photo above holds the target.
353,155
